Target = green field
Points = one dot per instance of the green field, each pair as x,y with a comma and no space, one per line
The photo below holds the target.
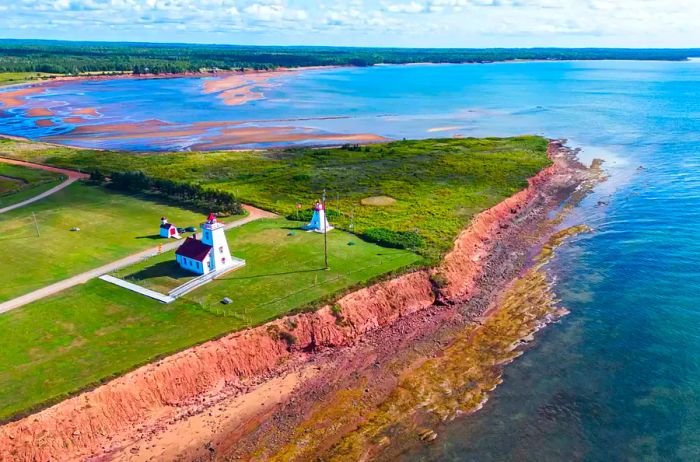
13,78
19,183
438,184
427,189
112,226
56,346
160,273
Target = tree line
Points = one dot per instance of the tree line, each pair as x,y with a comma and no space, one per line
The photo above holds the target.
193,194
149,58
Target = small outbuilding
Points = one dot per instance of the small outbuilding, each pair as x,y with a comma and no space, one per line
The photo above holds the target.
168,230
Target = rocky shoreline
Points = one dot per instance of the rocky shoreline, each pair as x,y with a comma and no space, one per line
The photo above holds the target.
338,406
245,396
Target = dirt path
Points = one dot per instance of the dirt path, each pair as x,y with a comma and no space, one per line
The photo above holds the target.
253,214
71,177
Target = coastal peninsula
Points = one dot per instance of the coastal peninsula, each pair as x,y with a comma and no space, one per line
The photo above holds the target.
305,359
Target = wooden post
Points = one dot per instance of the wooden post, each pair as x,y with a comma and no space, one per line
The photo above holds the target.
36,225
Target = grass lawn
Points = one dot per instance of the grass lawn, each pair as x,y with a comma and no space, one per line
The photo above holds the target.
19,183
56,346
437,185
160,273
112,226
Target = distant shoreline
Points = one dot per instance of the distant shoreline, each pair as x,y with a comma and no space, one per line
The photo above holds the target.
114,75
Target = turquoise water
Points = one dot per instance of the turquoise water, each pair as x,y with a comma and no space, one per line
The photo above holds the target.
619,378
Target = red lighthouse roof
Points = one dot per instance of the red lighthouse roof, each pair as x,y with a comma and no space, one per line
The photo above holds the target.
211,218
194,249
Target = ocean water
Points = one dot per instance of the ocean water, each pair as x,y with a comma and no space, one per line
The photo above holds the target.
617,379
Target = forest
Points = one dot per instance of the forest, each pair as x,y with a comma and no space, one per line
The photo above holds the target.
70,58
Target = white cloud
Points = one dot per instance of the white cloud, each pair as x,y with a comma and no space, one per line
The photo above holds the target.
264,12
413,7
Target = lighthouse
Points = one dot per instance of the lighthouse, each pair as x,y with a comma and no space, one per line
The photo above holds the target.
211,253
319,221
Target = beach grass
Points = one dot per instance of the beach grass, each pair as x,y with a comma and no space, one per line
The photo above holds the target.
437,184
112,226
92,332
19,183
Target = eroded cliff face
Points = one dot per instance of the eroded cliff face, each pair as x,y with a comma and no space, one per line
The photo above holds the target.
116,413
459,269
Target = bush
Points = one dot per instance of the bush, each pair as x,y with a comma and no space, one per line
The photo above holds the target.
288,338
97,177
337,313
438,280
393,239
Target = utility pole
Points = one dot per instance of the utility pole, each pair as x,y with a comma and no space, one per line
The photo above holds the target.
325,230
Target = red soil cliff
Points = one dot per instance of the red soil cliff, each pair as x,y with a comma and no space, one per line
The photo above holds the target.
87,424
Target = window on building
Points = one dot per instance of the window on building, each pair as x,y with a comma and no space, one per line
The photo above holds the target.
221,249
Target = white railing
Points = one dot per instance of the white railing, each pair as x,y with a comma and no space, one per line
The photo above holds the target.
189,286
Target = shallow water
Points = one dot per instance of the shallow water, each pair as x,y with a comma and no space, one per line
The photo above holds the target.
617,379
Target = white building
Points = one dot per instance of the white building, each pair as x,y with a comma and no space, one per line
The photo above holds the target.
319,221
210,254
168,229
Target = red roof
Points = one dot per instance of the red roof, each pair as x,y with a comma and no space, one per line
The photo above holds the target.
194,249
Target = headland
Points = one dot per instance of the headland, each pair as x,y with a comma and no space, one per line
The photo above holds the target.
354,368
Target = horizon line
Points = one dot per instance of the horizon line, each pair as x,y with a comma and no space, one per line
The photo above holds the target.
234,45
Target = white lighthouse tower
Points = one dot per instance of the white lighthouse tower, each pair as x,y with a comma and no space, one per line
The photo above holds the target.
319,221
213,235
211,254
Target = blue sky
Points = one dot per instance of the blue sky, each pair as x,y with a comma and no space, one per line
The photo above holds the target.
438,23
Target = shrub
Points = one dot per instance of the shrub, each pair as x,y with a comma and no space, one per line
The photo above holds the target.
438,280
97,177
337,313
288,338
393,239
